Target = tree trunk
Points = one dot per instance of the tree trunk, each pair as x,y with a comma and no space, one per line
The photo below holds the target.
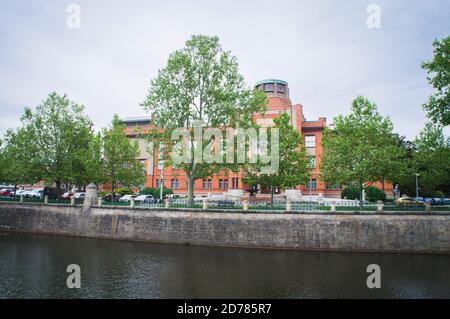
191,182
271,194
113,195
58,189
15,189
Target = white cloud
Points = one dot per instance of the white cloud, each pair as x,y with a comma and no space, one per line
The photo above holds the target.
323,49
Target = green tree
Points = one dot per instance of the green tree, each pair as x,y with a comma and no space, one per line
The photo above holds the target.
430,158
201,86
120,157
20,163
438,105
360,147
60,132
294,163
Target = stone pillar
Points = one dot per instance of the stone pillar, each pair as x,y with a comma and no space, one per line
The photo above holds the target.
91,195
100,202
46,199
72,201
288,205
21,198
380,206
132,202
428,207
205,204
333,207
245,205
167,203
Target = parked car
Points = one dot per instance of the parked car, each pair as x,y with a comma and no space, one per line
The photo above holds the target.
5,192
67,195
408,201
79,195
21,192
36,194
127,198
147,199
52,192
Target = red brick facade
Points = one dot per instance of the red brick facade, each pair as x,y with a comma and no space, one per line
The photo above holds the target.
278,101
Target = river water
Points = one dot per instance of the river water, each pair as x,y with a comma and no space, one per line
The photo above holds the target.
34,266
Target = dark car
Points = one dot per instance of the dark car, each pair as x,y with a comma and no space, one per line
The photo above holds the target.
52,192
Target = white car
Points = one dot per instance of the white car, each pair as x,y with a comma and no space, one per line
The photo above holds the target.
28,193
127,198
145,199
21,192
36,194
79,195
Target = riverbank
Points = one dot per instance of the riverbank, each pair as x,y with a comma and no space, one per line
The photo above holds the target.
335,232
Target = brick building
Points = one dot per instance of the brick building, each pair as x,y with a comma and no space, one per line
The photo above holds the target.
277,92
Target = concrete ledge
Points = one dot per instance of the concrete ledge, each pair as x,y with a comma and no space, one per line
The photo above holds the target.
363,232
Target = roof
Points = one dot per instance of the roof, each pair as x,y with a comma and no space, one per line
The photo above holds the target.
136,120
271,81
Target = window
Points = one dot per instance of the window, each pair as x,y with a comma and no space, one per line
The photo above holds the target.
223,183
235,183
313,183
269,87
159,182
161,157
175,183
333,186
281,88
310,141
313,162
206,183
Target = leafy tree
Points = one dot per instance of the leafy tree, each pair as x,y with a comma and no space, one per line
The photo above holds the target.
201,86
120,157
438,105
361,147
430,158
350,192
60,132
375,194
293,161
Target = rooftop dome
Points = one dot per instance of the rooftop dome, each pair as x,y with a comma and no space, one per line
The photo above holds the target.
273,87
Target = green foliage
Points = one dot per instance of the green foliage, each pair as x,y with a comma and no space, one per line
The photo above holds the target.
155,192
374,194
50,143
439,194
201,85
293,161
350,192
430,158
120,157
124,191
361,147
438,105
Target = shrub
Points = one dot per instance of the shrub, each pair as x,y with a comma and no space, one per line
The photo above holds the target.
374,194
155,192
350,192
439,194
124,191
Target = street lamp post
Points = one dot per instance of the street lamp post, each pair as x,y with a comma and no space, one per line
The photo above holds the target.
162,188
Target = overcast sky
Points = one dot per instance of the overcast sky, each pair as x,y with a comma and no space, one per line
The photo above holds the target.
323,49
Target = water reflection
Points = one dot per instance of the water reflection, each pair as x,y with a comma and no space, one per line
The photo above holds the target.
34,266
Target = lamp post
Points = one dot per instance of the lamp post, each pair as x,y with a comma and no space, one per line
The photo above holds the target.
162,187
417,185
